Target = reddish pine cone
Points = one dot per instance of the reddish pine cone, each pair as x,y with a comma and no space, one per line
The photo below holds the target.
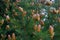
33,11
6,1
2,21
51,29
36,16
59,20
15,14
59,9
13,36
55,11
42,22
9,37
21,9
32,3
35,27
24,13
18,0
52,36
8,18
7,27
2,35
48,3
39,28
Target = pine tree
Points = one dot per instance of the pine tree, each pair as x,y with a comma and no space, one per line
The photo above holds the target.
29,20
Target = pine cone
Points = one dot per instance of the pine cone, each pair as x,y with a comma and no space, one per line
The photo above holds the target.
39,28
7,27
20,9
13,36
9,37
35,27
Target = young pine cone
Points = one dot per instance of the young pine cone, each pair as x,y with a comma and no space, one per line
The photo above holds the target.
35,27
15,14
42,22
2,37
36,17
9,37
59,20
6,1
32,3
8,18
1,22
20,9
33,11
24,13
51,31
48,3
18,0
59,9
7,27
39,28
13,36
55,11
52,35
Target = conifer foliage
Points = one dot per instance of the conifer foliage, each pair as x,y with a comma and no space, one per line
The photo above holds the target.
29,20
